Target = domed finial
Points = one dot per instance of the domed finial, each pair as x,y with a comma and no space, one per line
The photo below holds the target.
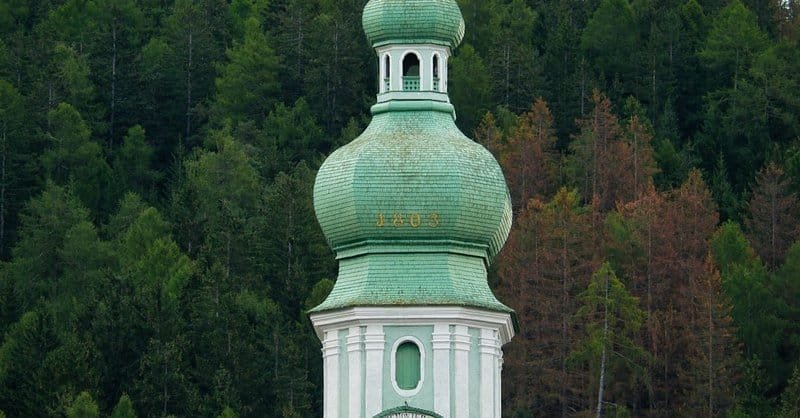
413,40
436,22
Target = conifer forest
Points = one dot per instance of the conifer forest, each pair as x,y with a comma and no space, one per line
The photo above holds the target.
159,248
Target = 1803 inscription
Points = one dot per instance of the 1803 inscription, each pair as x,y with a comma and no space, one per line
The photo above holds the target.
409,220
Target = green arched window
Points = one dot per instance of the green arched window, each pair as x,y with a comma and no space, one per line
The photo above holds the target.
407,366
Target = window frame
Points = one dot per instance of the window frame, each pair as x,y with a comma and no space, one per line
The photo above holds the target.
421,347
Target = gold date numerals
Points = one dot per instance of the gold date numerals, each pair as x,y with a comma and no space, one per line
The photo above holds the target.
408,220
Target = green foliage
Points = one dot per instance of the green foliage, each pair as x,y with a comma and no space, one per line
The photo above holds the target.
228,413
74,159
469,87
83,407
318,293
336,78
248,84
512,59
132,164
733,42
790,400
124,408
45,223
610,36
18,168
291,135
612,318
75,85
723,191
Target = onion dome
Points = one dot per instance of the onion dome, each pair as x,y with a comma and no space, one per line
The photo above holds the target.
413,22
415,211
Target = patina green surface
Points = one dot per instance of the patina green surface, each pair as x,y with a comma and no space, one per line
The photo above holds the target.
415,211
413,22
408,164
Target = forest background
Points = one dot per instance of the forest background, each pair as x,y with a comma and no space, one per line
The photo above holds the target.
159,247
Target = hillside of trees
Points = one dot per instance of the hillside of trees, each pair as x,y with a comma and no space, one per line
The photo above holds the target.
159,249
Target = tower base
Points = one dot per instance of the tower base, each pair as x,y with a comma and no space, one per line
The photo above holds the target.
458,354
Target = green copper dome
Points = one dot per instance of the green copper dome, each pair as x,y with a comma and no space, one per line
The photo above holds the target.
414,210
413,22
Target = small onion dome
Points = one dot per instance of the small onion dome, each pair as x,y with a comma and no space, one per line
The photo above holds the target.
413,179
413,22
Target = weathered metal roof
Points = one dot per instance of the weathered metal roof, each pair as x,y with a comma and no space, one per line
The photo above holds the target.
415,211
413,22
412,175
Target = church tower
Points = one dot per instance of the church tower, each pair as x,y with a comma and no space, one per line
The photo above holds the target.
415,212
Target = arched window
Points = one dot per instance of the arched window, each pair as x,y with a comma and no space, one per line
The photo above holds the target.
407,366
436,73
387,71
411,72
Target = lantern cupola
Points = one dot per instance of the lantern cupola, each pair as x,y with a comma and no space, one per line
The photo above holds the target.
414,41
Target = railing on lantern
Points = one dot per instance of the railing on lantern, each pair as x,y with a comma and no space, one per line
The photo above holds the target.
411,83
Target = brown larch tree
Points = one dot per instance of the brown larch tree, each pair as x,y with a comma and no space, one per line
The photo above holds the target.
641,162
682,227
545,264
530,161
709,375
593,160
490,135
773,224
610,164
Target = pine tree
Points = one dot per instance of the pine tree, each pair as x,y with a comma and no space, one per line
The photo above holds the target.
292,134
17,170
723,191
609,39
469,87
641,165
228,413
124,408
83,407
790,399
787,290
296,252
45,224
248,84
512,58
755,305
196,34
74,158
132,166
337,83
733,43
